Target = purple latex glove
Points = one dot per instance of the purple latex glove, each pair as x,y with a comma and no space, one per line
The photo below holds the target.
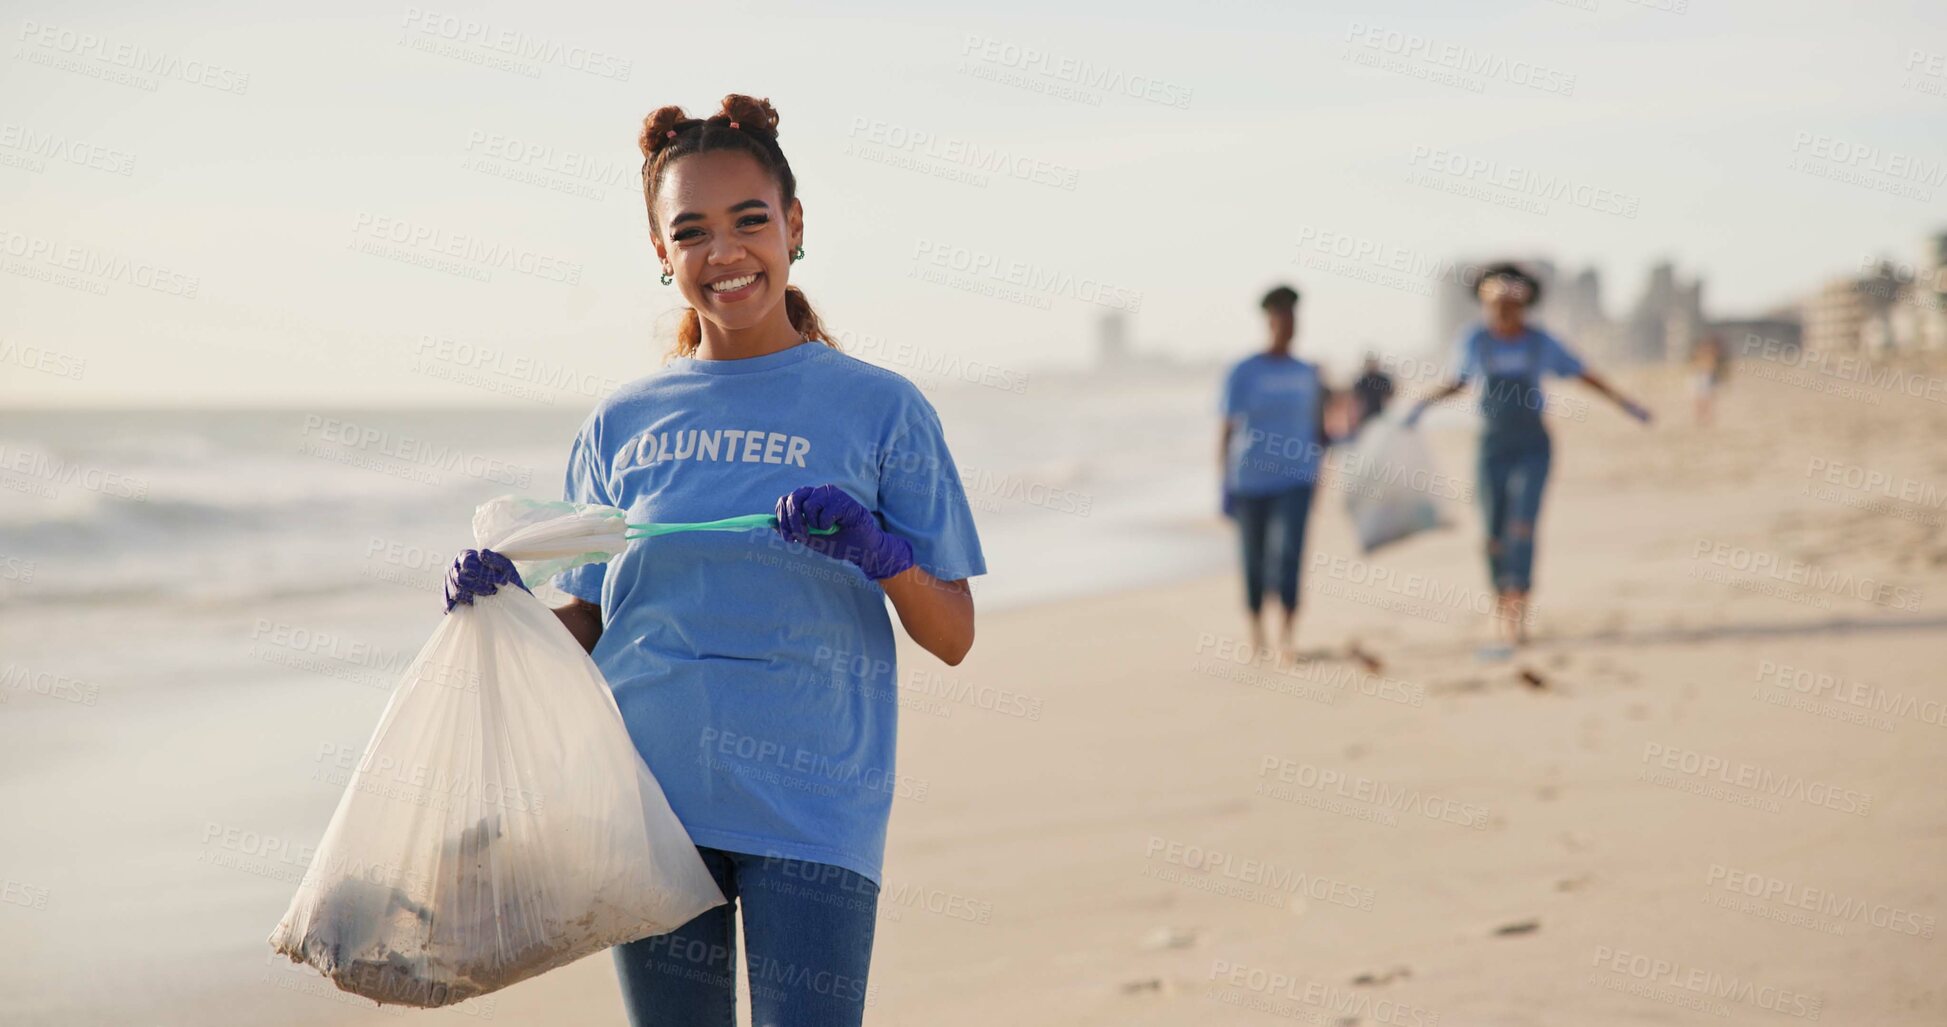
479,572
859,539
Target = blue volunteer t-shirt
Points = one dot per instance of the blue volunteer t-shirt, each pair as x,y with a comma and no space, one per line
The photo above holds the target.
756,676
1480,353
1274,404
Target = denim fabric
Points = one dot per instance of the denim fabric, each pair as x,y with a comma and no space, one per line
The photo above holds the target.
807,945
1511,482
1255,515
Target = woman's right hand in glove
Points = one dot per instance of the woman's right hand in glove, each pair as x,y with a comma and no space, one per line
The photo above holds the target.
479,572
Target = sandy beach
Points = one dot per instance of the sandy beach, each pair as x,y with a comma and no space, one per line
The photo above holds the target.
1702,796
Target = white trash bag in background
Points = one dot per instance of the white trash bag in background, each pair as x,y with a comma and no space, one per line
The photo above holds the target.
501,822
1390,484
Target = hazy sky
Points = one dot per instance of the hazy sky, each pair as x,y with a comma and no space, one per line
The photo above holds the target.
209,205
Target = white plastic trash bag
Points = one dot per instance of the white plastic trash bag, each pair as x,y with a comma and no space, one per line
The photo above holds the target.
501,822
1389,485
544,539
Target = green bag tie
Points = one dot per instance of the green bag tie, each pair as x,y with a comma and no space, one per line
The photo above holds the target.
744,523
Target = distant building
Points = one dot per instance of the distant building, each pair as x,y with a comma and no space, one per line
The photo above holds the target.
1907,325
1683,323
1111,339
1454,306
1579,312
1642,328
1934,280
1551,290
1844,311
1116,351
1886,305
1917,318
1777,337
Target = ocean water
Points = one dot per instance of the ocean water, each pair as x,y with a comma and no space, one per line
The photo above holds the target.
1080,482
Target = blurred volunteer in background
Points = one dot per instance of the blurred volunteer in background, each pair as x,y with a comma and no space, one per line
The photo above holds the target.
1510,356
1374,390
755,670
1272,444
1710,365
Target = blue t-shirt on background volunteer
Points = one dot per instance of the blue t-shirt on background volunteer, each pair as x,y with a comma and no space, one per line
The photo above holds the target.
1274,404
1480,353
755,676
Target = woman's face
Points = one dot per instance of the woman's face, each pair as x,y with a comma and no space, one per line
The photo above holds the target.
1283,322
725,236
1504,301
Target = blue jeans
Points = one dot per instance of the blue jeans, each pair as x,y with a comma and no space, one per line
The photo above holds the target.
1511,481
1255,515
808,942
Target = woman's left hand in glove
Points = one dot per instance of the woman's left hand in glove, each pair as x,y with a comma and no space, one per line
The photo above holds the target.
858,539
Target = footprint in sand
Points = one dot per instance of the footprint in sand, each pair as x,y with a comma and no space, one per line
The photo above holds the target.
1374,980
1365,658
1170,938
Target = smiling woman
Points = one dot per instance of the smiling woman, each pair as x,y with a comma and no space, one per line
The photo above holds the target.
755,669
727,229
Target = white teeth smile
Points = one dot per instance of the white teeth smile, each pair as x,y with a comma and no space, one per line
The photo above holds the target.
730,284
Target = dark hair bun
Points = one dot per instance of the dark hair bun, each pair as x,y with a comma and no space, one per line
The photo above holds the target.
657,126
751,114
1508,269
